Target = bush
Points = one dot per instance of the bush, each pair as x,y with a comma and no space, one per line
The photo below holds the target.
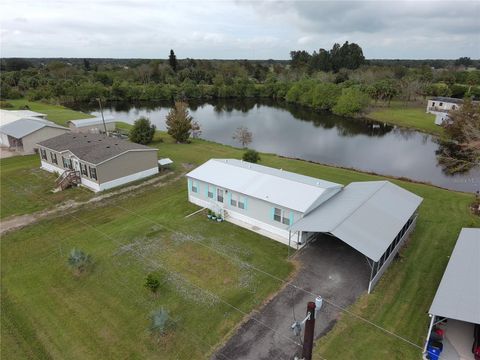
251,156
79,261
152,282
351,102
161,322
5,105
142,131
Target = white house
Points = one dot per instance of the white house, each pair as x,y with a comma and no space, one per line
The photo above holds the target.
440,106
455,309
373,217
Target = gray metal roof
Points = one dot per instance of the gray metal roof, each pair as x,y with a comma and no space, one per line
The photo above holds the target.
365,215
23,127
91,122
92,148
283,188
458,295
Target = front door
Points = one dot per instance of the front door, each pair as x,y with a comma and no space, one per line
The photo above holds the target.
76,165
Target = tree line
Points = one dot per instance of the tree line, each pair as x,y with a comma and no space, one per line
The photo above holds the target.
338,80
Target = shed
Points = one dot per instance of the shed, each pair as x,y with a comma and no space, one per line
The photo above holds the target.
92,125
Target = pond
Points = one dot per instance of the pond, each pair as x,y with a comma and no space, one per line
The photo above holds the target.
299,132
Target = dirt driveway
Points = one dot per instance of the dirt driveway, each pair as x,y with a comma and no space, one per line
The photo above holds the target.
328,267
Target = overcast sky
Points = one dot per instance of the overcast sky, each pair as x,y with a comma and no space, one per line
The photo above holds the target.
237,29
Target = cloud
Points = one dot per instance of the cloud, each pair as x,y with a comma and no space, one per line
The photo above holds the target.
237,29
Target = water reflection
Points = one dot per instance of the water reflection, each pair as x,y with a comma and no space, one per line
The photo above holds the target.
299,132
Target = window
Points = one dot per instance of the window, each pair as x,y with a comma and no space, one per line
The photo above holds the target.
453,107
210,191
281,216
194,186
220,195
433,103
53,156
67,163
441,104
83,169
233,199
93,172
43,154
241,203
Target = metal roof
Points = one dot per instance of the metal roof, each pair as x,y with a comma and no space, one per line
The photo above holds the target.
365,215
23,127
283,188
92,148
8,116
458,295
91,122
165,161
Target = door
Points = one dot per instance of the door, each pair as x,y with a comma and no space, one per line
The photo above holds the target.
76,165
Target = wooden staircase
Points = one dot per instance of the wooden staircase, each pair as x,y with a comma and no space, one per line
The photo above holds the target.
67,179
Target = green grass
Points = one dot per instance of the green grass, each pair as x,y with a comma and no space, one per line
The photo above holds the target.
53,315
22,173
56,113
409,116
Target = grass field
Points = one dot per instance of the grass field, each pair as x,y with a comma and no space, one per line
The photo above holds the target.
409,116
48,313
56,113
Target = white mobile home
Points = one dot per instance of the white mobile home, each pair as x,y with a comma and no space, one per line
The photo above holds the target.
373,217
94,125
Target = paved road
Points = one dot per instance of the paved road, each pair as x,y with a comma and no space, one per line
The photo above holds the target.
328,267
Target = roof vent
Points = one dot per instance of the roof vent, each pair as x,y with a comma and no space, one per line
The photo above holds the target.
88,141
318,183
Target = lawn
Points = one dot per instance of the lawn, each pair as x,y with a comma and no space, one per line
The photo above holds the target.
50,313
20,173
409,116
56,113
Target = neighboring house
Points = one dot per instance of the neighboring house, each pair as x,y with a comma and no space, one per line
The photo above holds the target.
8,116
97,161
456,306
440,106
93,125
22,135
373,217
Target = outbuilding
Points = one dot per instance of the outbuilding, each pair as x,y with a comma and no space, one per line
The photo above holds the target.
22,135
373,217
455,309
94,125
97,161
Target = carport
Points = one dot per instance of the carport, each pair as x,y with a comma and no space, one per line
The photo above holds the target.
375,218
458,295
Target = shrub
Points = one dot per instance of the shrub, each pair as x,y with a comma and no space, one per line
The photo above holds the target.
152,282
251,156
5,105
79,261
351,102
142,131
161,322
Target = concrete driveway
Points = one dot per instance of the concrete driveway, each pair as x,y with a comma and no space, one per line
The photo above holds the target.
330,268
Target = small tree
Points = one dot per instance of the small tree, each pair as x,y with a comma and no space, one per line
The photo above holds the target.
152,283
142,132
196,130
79,261
179,122
251,156
172,60
243,136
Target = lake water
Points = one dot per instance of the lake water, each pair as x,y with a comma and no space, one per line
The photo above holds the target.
298,132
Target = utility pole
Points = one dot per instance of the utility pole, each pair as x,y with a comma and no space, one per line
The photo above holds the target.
309,331
103,119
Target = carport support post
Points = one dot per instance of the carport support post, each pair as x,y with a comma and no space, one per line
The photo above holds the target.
309,332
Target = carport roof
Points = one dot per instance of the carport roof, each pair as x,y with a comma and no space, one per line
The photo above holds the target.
365,215
458,295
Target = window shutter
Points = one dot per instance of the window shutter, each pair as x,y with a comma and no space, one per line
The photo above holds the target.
206,190
245,201
189,185
291,218
272,213
229,198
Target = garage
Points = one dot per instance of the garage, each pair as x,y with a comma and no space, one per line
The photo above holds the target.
375,218
455,310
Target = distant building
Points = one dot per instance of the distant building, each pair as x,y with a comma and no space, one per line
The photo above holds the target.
98,162
22,135
440,106
8,116
93,125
